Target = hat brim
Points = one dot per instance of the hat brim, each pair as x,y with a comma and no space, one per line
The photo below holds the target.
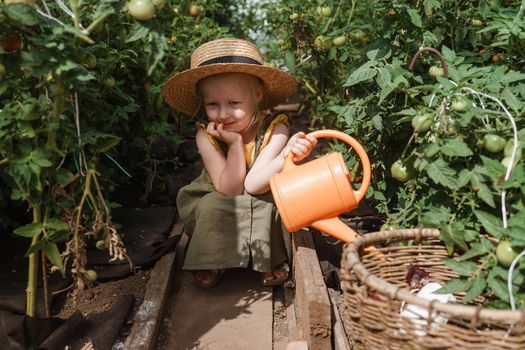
179,90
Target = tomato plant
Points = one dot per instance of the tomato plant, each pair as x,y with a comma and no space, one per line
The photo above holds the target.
366,89
76,124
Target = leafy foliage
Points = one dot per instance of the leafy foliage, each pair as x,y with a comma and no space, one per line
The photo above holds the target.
366,88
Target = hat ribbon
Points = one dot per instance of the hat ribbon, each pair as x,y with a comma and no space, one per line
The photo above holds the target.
230,59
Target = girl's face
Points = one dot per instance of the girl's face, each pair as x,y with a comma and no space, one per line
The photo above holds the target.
231,99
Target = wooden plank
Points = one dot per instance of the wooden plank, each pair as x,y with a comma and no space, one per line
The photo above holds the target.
146,325
312,301
340,337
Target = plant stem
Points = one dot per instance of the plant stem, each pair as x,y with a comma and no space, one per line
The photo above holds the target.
44,282
33,269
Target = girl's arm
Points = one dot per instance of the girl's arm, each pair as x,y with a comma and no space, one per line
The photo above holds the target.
228,172
271,159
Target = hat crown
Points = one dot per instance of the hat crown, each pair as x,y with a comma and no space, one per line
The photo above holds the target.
221,48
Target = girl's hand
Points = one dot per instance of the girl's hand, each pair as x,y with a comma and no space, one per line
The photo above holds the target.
301,145
217,131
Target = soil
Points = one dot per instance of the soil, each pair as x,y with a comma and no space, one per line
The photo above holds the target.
100,297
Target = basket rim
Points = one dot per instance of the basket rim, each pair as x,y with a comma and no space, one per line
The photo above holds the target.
476,313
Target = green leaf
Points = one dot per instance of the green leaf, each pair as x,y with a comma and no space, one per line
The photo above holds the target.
289,60
478,286
463,178
29,230
455,148
415,18
453,235
38,157
473,252
52,253
384,78
361,74
137,32
442,174
377,122
58,236
492,168
36,247
21,13
105,144
435,216
498,286
492,224
57,225
455,285
511,77
464,268
511,100
387,90
486,195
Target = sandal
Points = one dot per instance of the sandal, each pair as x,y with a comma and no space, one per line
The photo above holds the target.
207,278
276,278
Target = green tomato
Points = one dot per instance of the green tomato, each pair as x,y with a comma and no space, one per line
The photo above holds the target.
357,35
101,244
506,162
326,11
459,105
339,41
436,71
422,122
2,70
508,149
505,253
322,43
109,82
477,23
294,16
494,143
91,275
401,171
195,10
91,62
141,10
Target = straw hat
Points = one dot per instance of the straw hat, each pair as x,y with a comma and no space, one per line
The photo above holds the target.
224,56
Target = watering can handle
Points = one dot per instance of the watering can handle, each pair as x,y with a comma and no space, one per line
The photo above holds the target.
365,162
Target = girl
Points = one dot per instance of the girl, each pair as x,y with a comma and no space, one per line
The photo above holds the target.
228,211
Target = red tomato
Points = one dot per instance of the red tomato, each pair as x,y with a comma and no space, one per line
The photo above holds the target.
11,43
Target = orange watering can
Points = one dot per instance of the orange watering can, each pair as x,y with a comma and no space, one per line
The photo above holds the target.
317,192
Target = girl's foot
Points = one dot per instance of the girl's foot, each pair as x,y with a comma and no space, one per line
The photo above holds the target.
207,278
277,277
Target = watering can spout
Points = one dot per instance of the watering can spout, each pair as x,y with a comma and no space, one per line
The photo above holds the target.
336,228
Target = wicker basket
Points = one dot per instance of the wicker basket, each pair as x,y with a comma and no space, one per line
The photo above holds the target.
375,292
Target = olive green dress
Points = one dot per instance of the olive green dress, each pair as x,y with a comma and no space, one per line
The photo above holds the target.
233,231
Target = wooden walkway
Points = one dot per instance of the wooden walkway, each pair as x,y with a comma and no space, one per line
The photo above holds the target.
239,313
